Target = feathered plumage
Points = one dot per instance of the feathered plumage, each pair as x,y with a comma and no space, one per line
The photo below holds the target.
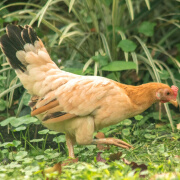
73,104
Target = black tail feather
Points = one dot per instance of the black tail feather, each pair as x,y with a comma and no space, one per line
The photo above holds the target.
14,34
25,36
32,35
20,27
14,40
53,115
10,51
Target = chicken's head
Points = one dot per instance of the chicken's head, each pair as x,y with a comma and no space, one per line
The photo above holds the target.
168,95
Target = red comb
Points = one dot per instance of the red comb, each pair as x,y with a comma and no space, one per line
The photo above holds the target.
175,90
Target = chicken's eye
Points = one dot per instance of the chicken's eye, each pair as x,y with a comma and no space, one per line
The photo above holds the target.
168,93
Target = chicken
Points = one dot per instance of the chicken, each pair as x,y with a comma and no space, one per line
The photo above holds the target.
73,104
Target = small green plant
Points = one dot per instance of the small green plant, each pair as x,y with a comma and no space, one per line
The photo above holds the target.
155,148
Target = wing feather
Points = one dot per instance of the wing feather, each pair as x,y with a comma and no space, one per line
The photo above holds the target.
59,119
81,96
45,108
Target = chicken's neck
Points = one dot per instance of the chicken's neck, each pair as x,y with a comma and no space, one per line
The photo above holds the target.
143,96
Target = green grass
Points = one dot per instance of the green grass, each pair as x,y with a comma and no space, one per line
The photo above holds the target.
156,148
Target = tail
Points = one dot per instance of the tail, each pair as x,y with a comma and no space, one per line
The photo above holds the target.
27,55
15,40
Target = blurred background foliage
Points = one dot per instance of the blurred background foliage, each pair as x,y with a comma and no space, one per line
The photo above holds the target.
130,41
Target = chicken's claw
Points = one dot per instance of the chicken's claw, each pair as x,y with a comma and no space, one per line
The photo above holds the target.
120,143
112,141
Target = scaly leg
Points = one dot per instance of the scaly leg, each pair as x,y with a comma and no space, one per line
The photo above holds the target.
112,141
70,144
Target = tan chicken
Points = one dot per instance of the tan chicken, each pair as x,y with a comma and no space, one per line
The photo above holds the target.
73,104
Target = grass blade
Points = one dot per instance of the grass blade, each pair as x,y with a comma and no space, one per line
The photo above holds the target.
71,5
174,60
156,75
20,4
134,57
14,81
96,68
43,11
78,46
148,65
149,57
20,104
169,115
172,21
67,35
10,89
5,69
106,47
148,4
130,8
87,64
115,23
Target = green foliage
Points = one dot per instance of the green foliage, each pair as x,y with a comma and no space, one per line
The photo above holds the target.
59,139
100,37
158,149
127,45
147,28
119,66
19,121
2,105
138,117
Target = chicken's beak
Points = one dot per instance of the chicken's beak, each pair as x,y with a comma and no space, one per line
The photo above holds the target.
174,103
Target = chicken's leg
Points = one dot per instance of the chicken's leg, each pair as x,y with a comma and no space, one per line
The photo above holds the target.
112,141
70,144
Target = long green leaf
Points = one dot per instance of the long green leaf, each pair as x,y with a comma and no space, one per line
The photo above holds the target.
106,47
13,82
147,65
70,41
68,27
70,34
149,58
87,64
172,21
79,45
96,64
157,76
78,15
169,115
43,11
174,60
20,4
119,66
10,89
20,104
130,8
134,57
148,4
5,69
71,5
115,23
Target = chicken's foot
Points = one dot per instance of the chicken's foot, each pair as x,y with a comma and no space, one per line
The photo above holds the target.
112,141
